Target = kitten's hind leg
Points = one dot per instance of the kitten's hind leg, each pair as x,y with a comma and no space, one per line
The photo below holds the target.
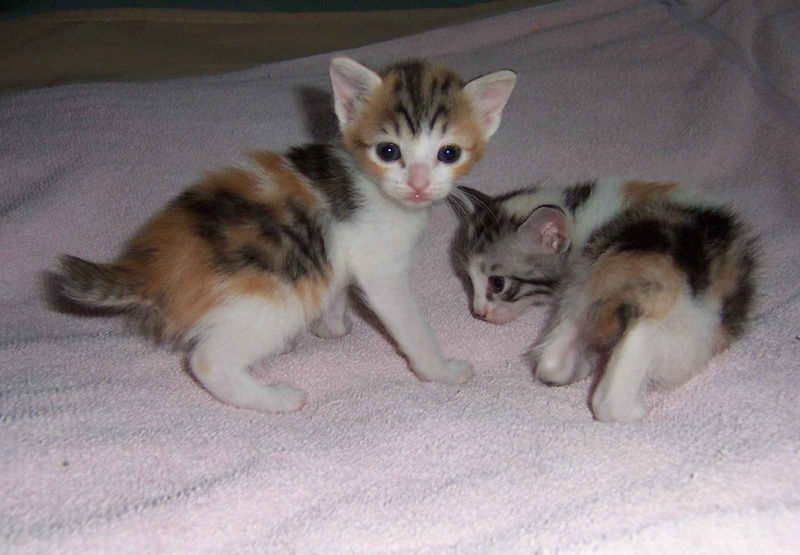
235,337
335,322
561,359
618,396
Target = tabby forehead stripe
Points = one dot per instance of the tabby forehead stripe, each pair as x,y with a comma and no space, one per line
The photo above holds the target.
401,110
421,94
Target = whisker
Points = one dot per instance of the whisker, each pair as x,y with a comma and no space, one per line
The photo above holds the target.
457,205
479,203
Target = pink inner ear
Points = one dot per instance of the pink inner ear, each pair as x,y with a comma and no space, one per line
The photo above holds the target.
552,237
347,95
493,101
352,84
546,228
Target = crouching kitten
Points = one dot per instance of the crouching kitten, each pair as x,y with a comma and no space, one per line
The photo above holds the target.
242,261
649,274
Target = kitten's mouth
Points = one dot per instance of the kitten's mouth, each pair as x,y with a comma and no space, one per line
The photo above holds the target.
418,197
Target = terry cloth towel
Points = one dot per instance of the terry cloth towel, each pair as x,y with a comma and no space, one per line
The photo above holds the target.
107,444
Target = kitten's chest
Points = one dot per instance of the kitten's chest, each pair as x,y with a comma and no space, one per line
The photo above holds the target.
381,236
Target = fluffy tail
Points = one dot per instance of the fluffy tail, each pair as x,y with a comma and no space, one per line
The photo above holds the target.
96,285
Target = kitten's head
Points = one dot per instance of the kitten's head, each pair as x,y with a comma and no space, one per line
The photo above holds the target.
416,128
514,249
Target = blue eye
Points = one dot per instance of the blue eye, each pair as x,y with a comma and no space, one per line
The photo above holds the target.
449,154
388,152
496,283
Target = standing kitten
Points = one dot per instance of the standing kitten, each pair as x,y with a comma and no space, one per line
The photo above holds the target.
647,272
241,262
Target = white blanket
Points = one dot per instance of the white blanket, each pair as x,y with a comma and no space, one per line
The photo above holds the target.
107,444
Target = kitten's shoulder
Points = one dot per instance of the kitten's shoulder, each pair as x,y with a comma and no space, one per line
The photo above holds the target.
330,172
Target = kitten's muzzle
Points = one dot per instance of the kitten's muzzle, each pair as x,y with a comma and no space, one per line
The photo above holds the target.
419,181
479,314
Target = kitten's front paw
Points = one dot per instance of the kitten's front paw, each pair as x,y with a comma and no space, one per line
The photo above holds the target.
452,372
331,330
607,408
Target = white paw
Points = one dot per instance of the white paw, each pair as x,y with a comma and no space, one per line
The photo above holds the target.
281,398
330,330
452,372
607,408
558,369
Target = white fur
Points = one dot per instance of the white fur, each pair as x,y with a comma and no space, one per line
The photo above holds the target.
237,334
372,249
647,352
668,352
377,248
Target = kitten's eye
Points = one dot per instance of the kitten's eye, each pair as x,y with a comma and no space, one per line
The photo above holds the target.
449,154
388,152
496,283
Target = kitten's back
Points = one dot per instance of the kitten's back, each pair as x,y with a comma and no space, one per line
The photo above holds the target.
703,252
256,229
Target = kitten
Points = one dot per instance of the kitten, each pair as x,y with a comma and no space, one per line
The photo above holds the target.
241,262
651,274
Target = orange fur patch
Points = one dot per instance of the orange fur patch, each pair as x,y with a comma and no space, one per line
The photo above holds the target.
651,280
249,282
176,276
370,166
648,283
236,180
287,181
464,119
641,193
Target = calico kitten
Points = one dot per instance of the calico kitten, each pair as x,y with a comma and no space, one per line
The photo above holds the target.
651,274
241,262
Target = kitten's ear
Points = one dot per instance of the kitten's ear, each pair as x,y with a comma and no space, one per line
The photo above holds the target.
489,95
471,199
546,228
352,86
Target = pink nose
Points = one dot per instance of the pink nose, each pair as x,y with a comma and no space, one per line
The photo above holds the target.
419,177
480,313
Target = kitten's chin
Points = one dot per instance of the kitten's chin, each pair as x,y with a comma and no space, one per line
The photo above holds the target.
412,201
501,315
416,204
501,319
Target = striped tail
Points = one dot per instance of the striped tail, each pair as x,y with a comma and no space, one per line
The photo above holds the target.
96,285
